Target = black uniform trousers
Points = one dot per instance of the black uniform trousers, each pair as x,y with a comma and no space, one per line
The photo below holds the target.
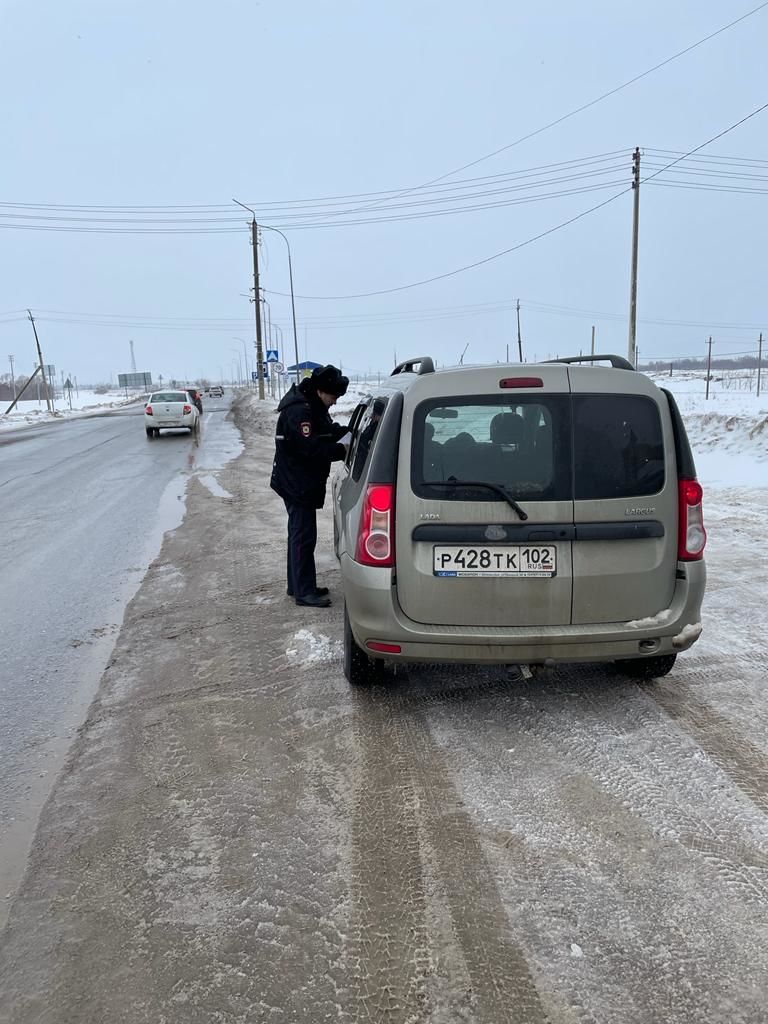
302,537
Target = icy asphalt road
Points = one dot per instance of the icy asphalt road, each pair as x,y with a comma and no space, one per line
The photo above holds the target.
238,837
83,507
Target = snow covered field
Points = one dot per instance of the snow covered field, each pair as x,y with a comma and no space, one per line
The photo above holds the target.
83,404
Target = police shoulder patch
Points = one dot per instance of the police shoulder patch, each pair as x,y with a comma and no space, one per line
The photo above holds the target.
305,428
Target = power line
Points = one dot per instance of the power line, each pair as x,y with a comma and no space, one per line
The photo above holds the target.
542,234
124,321
566,178
591,103
341,199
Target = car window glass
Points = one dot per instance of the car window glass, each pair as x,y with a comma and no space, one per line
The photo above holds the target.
366,431
618,446
169,396
522,445
354,423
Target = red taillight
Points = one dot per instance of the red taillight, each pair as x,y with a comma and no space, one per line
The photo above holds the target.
521,382
376,539
148,410
692,537
187,410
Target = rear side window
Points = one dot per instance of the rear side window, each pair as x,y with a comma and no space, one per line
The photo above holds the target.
521,445
365,432
618,446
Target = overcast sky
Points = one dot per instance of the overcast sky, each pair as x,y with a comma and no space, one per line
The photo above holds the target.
185,104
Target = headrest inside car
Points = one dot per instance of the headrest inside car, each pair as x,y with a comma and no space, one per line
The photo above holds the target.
507,428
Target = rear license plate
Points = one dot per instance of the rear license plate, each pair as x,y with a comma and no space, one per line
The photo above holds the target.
507,560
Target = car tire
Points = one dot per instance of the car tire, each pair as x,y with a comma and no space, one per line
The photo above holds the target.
150,432
647,668
359,669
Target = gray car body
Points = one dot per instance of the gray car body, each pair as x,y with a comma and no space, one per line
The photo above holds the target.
619,591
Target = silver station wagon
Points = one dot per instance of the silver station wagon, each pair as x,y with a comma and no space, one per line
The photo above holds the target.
529,514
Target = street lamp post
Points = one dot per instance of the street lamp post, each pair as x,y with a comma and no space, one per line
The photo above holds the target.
245,357
266,227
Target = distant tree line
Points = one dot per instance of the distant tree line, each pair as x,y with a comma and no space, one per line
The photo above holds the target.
7,388
723,363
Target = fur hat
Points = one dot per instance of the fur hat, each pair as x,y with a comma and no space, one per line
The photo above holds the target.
330,380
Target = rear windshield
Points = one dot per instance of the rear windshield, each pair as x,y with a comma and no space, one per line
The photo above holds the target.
169,396
543,448
521,445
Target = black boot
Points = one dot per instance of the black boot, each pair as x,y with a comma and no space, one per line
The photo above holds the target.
314,601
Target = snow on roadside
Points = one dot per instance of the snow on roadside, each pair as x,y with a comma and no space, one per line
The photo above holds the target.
30,412
313,647
729,430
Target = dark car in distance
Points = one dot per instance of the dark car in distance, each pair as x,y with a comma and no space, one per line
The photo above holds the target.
197,398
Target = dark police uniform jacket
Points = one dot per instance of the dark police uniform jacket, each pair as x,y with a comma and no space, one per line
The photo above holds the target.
306,443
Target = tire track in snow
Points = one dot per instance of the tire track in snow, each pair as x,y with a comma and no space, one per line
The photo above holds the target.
501,987
602,818
387,952
502,983
729,749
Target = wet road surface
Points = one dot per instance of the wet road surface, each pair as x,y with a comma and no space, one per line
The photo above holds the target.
238,836
83,507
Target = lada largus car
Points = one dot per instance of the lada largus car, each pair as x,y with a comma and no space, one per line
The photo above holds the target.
530,514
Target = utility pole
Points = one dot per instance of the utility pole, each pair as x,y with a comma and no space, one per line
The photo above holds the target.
257,304
256,294
49,404
519,336
633,281
133,357
13,377
593,339
759,361
709,364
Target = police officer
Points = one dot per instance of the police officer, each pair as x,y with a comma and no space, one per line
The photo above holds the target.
307,441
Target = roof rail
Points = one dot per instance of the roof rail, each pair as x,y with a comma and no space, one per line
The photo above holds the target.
617,362
424,363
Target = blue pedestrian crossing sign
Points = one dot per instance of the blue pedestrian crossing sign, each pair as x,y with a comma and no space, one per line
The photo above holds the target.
273,356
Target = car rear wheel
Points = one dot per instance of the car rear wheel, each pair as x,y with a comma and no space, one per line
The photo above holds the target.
150,432
647,668
359,669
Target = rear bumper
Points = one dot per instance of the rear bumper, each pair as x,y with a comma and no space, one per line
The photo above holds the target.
180,423
375,615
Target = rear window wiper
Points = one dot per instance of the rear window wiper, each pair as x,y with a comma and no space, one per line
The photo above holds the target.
496,488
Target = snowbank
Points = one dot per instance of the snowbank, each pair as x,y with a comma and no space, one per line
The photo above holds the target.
87,402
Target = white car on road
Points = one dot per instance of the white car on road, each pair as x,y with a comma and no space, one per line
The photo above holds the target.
170,410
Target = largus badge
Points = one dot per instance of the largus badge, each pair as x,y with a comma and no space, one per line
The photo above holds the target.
306,429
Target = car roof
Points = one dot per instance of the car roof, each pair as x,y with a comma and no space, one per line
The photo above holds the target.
459,379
